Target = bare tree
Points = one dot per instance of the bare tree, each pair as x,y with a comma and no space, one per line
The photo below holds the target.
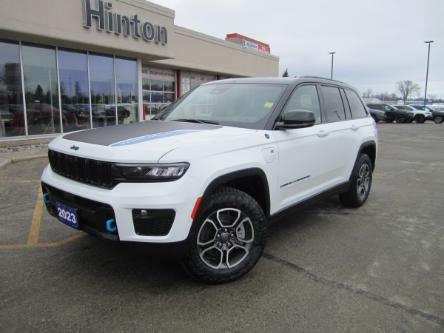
368,93
407,88
285,73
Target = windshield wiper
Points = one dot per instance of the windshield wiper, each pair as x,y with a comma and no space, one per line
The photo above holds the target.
198,121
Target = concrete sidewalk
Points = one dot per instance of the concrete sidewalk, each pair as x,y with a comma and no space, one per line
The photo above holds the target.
14,151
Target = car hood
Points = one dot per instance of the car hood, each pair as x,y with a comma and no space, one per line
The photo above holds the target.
143,142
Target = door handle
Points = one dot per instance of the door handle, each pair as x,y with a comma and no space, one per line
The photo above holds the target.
322,133
354,127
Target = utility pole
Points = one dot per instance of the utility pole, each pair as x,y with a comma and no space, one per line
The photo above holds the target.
427,71
332,60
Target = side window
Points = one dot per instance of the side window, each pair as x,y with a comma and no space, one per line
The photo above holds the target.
305,98
348,114
333,107
356,106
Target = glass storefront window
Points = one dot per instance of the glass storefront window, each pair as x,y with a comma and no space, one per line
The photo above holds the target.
102,90
41,90
11,105
190,80
73,75
159,89
127,90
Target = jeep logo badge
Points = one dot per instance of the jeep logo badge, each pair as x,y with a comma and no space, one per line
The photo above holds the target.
74,147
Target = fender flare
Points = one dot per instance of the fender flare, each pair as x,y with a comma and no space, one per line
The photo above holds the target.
232,176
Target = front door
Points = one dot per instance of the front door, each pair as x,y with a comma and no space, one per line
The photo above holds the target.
301,151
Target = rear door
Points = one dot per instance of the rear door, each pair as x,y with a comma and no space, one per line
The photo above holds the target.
340,131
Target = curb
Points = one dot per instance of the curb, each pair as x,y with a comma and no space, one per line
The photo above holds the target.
20,159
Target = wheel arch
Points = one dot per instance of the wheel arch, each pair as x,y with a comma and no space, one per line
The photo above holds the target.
252,181
368,148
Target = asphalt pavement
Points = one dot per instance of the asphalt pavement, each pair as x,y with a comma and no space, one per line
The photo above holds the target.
326,269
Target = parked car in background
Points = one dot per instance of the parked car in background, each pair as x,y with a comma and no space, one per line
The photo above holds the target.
419,116
421,107
377,115
437,112
392,114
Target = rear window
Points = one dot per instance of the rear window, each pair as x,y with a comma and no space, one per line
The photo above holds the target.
333,108
356,106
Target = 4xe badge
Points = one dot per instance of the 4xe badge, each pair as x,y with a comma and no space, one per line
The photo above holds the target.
74,147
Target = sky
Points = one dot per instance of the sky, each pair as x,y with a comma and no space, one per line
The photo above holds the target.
377,42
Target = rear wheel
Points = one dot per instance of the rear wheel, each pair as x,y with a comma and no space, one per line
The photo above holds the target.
360,184
228,237
419,119
438,120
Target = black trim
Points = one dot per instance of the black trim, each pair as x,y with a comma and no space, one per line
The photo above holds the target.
361,148
302,204
229,177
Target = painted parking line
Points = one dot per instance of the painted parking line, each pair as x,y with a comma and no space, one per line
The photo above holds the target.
34,231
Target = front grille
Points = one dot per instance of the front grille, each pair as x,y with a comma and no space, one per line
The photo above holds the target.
84,170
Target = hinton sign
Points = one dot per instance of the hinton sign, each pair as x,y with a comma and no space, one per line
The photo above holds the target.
121,24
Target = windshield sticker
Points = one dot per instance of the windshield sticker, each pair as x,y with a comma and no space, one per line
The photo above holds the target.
268,105
151,137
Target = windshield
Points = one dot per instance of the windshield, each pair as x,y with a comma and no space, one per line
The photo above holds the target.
231,104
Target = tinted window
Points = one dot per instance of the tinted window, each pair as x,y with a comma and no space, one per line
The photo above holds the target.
11,107
73,73
102,90
333,107
127,90
41,93
356,106
305,98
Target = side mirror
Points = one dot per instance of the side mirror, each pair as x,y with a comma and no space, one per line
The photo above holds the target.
296,119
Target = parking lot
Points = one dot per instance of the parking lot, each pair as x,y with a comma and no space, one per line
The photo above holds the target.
326,269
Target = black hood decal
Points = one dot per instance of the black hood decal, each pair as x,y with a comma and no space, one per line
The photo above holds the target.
135,133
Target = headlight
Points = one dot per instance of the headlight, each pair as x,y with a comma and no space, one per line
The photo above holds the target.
151,172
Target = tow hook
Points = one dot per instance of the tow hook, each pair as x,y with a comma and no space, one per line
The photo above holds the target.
111,225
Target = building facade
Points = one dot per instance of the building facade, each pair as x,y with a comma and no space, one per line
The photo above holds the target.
67,65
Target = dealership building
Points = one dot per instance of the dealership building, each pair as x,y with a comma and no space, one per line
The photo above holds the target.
67,65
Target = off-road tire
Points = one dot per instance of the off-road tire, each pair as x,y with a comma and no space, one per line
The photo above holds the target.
225,198
351,198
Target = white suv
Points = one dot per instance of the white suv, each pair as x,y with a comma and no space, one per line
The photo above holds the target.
215,167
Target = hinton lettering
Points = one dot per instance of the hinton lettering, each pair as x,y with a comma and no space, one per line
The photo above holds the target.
121,24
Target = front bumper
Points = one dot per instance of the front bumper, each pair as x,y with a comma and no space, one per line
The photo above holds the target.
96,206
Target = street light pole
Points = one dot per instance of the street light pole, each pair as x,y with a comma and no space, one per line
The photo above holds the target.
332,60
427,71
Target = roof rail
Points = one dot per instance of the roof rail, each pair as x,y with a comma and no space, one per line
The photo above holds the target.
318,77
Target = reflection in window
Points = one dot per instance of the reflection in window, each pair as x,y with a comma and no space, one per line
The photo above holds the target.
305,98
41,93
11,108
126,82
159,89
73,74
102,90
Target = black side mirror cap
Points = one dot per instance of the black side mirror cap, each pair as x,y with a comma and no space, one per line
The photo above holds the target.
296,119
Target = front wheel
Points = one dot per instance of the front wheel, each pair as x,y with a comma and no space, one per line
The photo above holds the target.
227,238
419,119
360,183
438,120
